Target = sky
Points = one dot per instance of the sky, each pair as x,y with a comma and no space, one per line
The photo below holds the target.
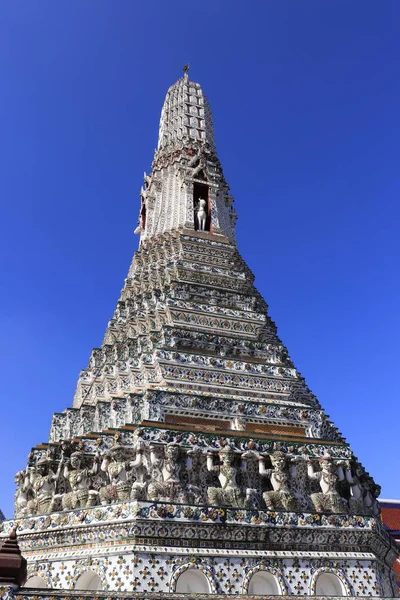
305,101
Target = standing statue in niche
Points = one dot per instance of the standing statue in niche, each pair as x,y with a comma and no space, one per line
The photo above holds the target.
328,499
201,214
281,497
167,470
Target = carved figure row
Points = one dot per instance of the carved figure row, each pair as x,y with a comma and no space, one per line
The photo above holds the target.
171,473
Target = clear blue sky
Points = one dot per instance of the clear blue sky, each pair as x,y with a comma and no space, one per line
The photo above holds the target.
305,98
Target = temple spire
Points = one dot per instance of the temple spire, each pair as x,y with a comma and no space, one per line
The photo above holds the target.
195,461
186,189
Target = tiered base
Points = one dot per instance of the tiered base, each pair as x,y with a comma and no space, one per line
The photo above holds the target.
145,548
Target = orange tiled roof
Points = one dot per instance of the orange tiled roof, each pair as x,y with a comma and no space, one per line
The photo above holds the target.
391,517
396,566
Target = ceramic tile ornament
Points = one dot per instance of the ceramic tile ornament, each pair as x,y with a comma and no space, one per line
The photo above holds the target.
194,458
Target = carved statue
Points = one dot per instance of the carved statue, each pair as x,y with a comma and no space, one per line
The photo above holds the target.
118,471
356,500
328,499
86,417
44,482
371,493
194,463
139,466
23,504
80,482
201,214
281,498
229,493
167,470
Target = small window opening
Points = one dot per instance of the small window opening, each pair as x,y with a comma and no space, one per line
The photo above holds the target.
143,216
201,205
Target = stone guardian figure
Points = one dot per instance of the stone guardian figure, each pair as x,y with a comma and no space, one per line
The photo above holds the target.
139,467
80,480
44,484
281,497
229,493
371,493
169,487
328,499
118,470
24,504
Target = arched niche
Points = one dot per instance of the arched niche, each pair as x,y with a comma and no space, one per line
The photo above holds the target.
263,583
329,584
192,581
88,581
36,582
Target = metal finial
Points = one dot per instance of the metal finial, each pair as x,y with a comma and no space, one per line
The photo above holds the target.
186,69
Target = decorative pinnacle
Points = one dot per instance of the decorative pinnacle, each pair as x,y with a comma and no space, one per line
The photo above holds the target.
13,567
186,69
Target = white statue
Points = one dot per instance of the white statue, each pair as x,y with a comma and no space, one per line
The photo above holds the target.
23,504
169,486
328,499
281,498
201,214
44,482
118,470
139,467
80,480
229,493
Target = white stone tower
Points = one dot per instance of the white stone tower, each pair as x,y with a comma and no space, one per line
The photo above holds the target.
185,169
195,459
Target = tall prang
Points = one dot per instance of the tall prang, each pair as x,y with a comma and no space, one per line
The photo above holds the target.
195,460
